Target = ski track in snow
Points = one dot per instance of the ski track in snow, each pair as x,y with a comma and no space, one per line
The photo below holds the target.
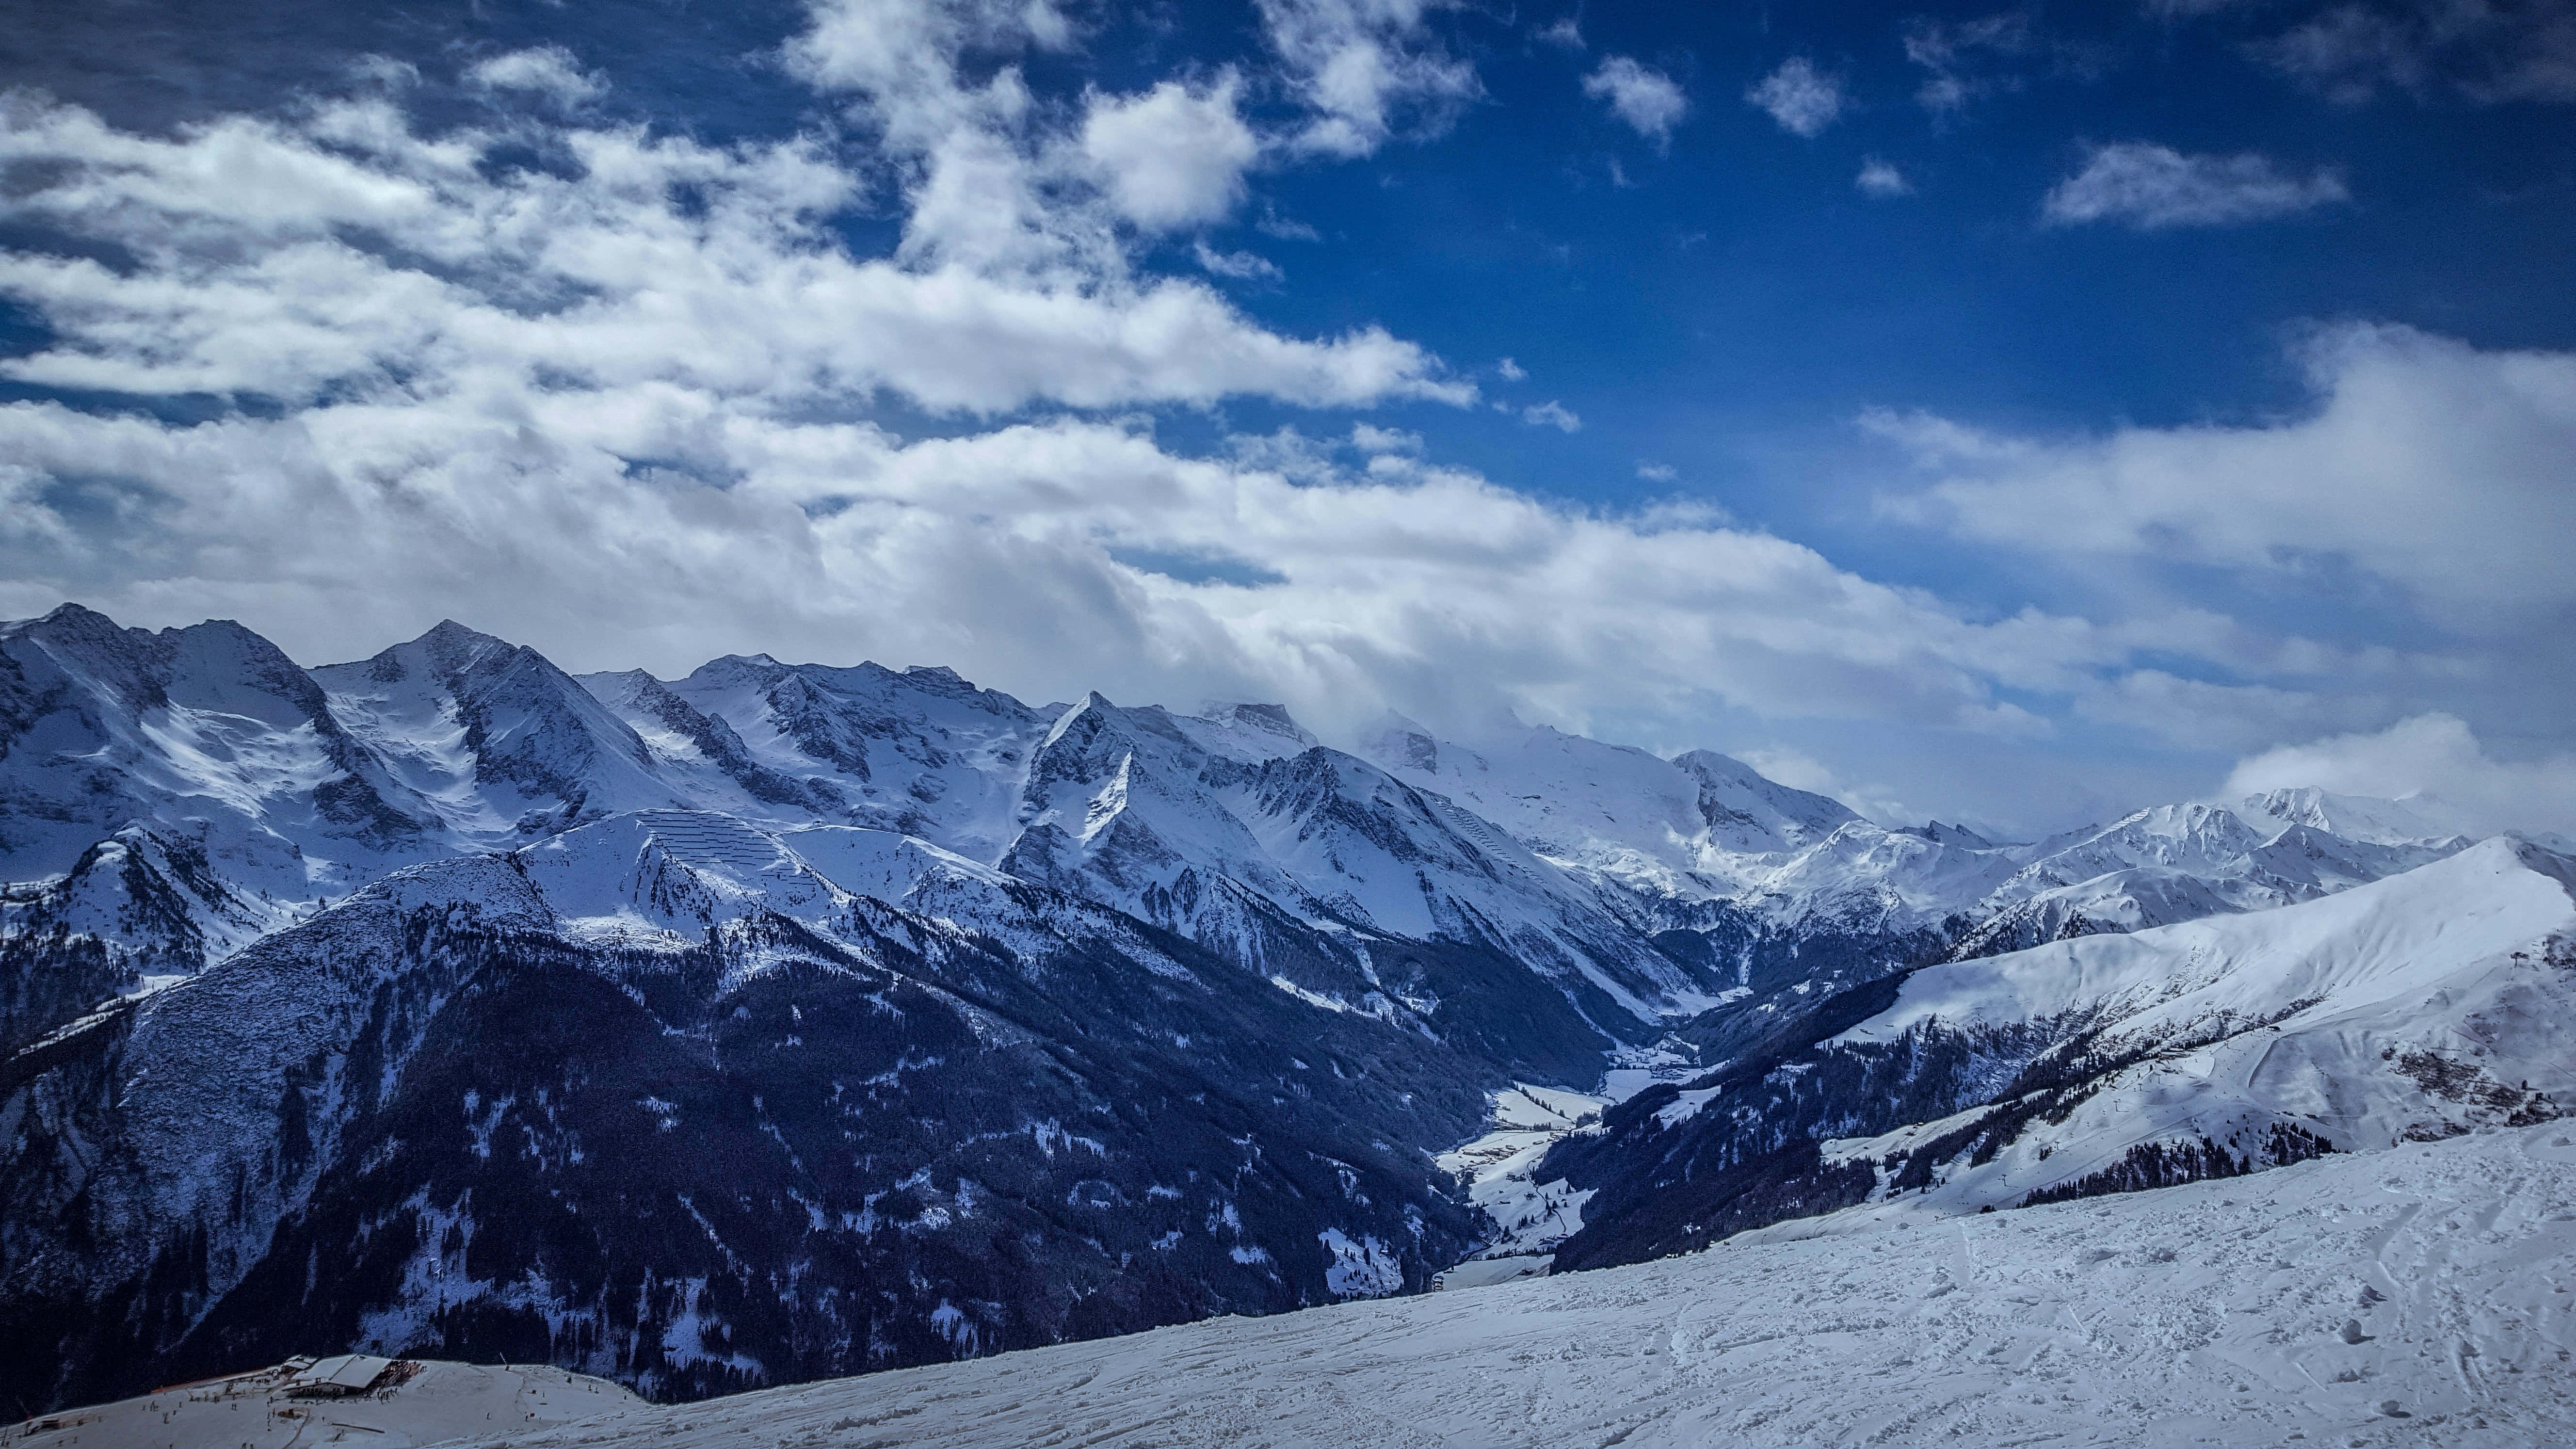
2207,1314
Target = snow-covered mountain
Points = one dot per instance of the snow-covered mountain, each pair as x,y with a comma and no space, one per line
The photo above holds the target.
2421,1006
658,1096
723,1029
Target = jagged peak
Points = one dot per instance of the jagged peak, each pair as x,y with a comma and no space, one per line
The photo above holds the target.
1093,702
1710,762
1398,741
1273,718
68,614
77,625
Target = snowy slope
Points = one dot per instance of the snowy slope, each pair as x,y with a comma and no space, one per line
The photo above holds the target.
502,743
2416,1007
1615,809
423,1404
919,751
2430,1003
2417,820
206,733
2420,1296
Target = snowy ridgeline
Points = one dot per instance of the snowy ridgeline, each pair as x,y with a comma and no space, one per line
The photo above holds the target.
2417,1296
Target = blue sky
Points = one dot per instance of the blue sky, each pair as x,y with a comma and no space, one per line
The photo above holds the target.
2013,413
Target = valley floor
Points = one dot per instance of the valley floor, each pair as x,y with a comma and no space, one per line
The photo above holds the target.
2422,1295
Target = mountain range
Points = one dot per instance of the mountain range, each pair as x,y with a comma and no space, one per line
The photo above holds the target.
784,1021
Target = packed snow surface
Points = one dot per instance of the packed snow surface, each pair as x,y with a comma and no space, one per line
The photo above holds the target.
417,1404
2424,1295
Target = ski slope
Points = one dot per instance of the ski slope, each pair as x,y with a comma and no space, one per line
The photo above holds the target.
2423,1295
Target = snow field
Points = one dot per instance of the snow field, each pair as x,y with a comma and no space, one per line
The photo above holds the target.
2423,1295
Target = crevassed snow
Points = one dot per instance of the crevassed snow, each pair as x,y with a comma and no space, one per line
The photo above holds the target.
2414,1297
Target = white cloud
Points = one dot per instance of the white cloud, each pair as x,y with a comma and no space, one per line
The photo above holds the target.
344,253
1799,770
1565,34
1384,440
1881,178
2435,754
1362,67
1511,371
974,165
2156,187
1171,157
2434,468
1803,99
1659,473
1242,266
616,406
546,70
1650,101
348,524
2201,715
1552,414
620,405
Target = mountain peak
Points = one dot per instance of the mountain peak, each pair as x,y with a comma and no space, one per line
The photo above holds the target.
1265,719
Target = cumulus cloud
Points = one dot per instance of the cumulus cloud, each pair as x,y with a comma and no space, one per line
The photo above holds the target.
1881,178
546,69
1566,34
1363,67
1803,99
1171,157
2436,469
1650,101
2156,187
1654,472
1552,414
1384,440
2436,757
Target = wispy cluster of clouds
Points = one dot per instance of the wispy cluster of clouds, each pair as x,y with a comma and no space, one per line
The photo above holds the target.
2488,50
1965,59
2156,188
1366,67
